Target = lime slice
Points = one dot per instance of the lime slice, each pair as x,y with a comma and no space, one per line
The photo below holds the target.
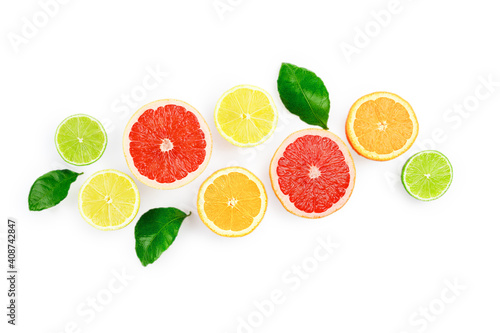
246,115
109,200
427,175
80,139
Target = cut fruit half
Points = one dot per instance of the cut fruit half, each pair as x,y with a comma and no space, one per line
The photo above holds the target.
232,202
109,200
381,126
427,175
167,144
246,115
312,173
80,139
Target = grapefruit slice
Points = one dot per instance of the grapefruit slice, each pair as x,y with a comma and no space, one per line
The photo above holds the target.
312,173
381,126
167,144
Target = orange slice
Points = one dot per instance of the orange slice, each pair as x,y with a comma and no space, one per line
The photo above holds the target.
232,202
381,126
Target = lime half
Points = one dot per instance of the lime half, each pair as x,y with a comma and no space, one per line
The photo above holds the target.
427,175
80,139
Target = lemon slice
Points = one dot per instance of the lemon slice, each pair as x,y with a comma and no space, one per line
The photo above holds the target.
109,200
246,116
232,202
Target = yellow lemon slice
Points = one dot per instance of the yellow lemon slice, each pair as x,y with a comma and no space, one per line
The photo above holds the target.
246,115
109,200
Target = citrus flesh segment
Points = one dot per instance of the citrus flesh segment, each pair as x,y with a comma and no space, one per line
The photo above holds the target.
427,175
232,202
381,126
80,139
246,115
167,144
312,173
109,200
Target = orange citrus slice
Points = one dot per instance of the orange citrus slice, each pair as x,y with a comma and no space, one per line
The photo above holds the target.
232,202
381,126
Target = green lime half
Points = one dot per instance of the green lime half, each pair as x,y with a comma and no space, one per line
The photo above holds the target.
80,139
427,175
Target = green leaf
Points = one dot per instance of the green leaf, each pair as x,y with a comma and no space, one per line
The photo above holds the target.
50,189
304,94
155,231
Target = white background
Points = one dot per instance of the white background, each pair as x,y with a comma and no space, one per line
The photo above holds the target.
395,252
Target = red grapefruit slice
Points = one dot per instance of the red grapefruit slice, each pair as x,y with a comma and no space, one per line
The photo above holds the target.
312,173
167,144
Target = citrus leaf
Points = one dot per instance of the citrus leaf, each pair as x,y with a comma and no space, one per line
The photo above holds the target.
50,189
155,231
304,94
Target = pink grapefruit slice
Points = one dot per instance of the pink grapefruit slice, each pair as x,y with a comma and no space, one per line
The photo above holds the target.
167,144
312,173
